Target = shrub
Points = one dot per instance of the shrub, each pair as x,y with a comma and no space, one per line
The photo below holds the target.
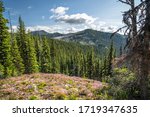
122,84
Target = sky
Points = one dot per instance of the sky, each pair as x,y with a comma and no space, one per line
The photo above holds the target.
66,16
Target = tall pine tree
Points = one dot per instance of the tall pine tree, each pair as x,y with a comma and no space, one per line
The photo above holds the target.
90,64
27,50
32,64
45,59
5,44
17,60
110,58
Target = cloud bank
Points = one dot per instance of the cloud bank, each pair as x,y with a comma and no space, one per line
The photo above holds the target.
71,23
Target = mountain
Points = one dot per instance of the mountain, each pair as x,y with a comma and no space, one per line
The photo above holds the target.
44,33
101,40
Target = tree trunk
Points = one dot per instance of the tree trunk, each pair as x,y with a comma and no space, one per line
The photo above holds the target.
144,62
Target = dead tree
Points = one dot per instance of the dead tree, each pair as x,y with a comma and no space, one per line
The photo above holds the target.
137,28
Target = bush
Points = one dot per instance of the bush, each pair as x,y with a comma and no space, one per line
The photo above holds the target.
122,84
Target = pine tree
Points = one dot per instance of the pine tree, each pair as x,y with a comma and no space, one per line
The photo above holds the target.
38,49
17,60
54,66
45,60
97,72
83,66
71,66
104,67
26,48
90,64
76,66
110,57
32,64
5,44
22,43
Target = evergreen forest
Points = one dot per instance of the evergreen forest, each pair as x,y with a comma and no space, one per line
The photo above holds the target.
33,63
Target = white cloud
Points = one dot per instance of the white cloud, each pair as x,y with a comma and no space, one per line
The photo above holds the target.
59,15
59,10
70,23
62,28
80,21
79,18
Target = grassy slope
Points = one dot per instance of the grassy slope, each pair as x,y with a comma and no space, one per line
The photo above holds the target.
50,87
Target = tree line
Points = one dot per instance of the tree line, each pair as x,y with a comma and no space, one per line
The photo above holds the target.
23,53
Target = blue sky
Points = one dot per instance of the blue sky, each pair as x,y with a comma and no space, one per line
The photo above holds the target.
66,15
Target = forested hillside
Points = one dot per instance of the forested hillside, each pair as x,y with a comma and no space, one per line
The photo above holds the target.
31,54
100,40
23,53
88,64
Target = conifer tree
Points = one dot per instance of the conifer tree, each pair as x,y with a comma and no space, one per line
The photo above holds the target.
71,67
90,64
83,66
22,43
17,60
97,72
54,63
32,64
110,57
77,66
26,47
38,49
45,60
5,45
104,67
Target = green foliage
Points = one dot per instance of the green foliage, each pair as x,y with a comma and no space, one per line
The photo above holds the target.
90,64
26,48
32,63
41,85
72,97
122,84
17,60
31,54
54,60
5,47
33,98
45,57
110,58
38,49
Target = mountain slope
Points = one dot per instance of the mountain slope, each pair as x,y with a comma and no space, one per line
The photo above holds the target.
101,40
49,86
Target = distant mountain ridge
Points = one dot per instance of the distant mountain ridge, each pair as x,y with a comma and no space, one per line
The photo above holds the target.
88,37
